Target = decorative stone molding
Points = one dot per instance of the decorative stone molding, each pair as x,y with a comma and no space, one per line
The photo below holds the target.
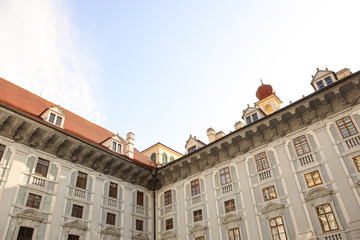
169,235
231,220
198,230
76,224
139,236
318,196
29,218
273,209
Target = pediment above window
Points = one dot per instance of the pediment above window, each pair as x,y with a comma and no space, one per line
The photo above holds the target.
168,235
198,227
139,236
76,224
54,115
110,230
31,214
272,206
231,217
318,192
358,183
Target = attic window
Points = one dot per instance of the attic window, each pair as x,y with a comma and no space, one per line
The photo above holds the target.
248,120
320,84
55,119
328,80
255,117
116,147
193,148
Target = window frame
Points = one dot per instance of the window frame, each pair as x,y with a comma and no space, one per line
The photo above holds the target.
231,207
139,225
200,238
271,197
153,157
327,79
73,237
167,197
82,181
248,120
55,121
326,217
346,126
261,161
233,230
277,226
35,202
225,174
169,224
356,160
25,229
140,198
312,173
77,211
42,166
254,117
113,190
197,215
301,145
192,149
2,150
322,83
110,218
195,188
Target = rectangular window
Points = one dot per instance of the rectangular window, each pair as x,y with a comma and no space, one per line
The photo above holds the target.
269,193
77,211
169,224
140,198
114,146
58,120
197,215
277,228
346,127
248,120
225,176
320,84
328,80
73,237
229,206
81,180
42,167
2,150
110,218
167,198
195,187
261,161
326,218
33,201
113,190
119,148
357,162
52,118
255,117
192,149
139,225
313,178
200,238
25,233
234,234
301,145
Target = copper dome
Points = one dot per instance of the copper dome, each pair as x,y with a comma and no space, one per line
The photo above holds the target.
264,91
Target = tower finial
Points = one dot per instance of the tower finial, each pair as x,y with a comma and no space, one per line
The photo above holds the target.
261,82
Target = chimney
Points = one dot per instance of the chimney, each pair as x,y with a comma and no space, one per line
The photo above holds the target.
238,125
130,137
211,135
220,134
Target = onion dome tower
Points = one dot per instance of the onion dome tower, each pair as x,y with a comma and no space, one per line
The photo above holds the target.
268,101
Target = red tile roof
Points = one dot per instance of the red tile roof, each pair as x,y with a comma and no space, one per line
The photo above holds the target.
32,105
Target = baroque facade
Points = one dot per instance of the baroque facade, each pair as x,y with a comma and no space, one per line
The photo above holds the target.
287,173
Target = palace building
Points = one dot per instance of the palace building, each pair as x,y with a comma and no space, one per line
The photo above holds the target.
283,173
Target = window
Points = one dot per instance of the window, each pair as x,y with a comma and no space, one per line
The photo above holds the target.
119,148
328,80
55,119
255,117
169,224
225,176
229,206
261,161
33,201
248,120
81,180
277,228
167,197
2,150
234,234
25,233
346,127
110,218
200,238
114,146
195,187
171,158
164,158
73,237
112,190
357,162
269,193
320,84
192,149
153,157
42,167
301,145
140,198
313,178
139,225
77,211
197,215
326,218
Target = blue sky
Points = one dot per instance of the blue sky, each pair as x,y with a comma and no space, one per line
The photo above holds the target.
168,69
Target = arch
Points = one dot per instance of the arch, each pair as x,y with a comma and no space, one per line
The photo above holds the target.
164,158
153,157
171,158
268,109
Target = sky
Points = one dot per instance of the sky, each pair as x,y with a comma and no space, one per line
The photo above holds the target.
167,69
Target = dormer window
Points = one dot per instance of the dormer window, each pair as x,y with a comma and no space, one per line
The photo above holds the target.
320,84
255,117
54,115
328,80
192,149
248,120
55,119
116,147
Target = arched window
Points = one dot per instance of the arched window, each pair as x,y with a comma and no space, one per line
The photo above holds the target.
171,158
164,158
153,157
